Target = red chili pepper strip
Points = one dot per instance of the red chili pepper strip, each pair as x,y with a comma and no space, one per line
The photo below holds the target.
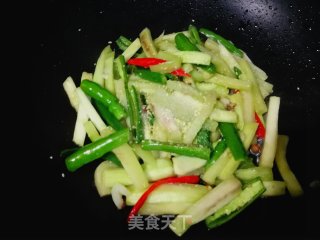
181,73
261,131
143,198
145,62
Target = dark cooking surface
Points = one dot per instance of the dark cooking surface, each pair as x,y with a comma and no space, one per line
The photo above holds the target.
281,37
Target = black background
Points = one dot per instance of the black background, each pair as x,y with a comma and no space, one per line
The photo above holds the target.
66,37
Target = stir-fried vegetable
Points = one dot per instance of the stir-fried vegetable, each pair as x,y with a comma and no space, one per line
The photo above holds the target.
230,134
95,150
109,118
229,45
123,43
168,112
192,151
261,131
218,150
104,96
194,35
288,176
151,76
143,198
145,62
184,44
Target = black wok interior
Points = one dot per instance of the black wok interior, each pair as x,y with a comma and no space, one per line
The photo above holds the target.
281,37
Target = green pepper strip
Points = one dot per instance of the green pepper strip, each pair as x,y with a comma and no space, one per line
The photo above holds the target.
194,35
137,114
104,96
151,76
107,116
186,150
234,143
217,152
95,150
228,45
184,44
123,43
110,156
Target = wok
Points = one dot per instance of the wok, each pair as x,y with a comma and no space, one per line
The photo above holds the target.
281,37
